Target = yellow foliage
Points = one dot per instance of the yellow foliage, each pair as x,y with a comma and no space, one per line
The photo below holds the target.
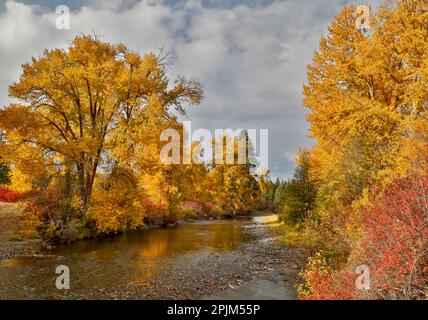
117,206
367,99
91,101
368,111
20,182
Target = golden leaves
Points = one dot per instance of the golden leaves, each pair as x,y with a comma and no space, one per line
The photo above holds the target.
358,86
93,103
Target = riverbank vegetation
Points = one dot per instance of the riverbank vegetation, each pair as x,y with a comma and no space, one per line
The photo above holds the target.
84,138
7,195
359,197
82,145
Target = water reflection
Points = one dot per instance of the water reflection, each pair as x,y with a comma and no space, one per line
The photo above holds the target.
101,264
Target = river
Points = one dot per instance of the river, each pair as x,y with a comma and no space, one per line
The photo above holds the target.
134,257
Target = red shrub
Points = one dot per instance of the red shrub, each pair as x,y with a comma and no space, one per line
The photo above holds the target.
322,283
200,208
196,206
156,214
7,195
396,238
394,246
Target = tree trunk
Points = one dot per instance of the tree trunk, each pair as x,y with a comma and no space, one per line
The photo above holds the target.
81,176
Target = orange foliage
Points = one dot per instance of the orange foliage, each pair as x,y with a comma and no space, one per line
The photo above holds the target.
7,195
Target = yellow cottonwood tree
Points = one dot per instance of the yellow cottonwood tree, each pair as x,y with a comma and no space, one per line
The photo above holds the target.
91,102
232,185
367,97
368,111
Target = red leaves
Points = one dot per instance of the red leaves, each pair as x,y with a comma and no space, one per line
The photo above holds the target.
200,208
196,206
396,236
330,286
7,195
394,246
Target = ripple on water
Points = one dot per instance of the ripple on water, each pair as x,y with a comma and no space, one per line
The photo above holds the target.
111,262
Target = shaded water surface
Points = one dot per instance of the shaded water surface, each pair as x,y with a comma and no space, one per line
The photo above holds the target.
105,264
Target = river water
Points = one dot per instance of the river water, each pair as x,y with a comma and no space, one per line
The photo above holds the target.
111,262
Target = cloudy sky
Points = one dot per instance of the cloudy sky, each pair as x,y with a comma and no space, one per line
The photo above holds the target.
250,55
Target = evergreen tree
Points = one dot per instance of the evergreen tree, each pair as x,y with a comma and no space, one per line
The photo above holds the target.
299,193
4,173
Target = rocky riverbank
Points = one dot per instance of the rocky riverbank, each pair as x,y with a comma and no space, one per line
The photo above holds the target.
11,245
258,269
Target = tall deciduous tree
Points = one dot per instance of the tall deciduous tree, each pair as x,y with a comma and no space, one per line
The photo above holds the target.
368,109
91,102
232,185
366,93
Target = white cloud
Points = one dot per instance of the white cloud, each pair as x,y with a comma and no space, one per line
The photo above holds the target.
251,58
290,156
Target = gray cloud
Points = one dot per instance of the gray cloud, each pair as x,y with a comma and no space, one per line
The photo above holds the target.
251,56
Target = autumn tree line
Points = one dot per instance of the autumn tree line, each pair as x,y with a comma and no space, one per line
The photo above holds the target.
360,195
83,140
